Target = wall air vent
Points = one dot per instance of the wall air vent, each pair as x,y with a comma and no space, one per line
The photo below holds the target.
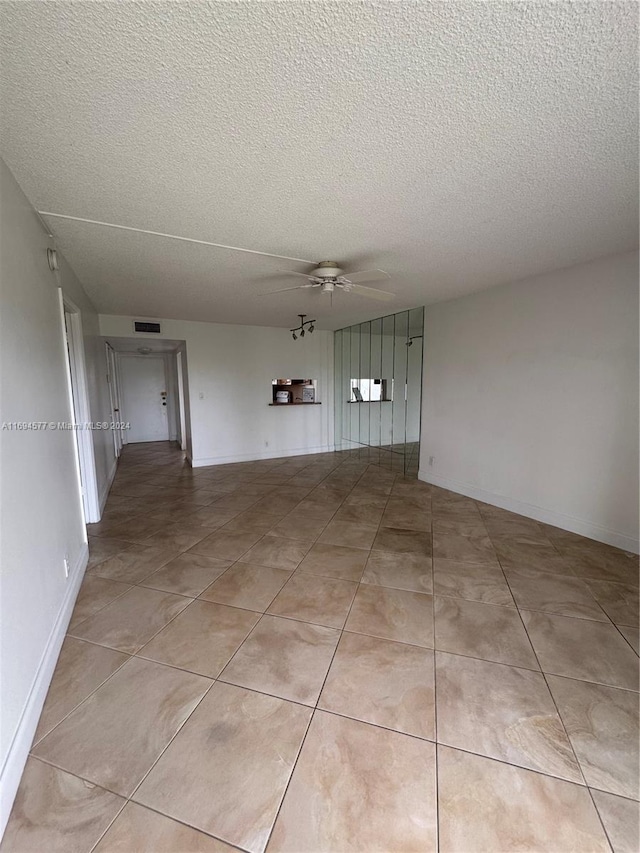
145,326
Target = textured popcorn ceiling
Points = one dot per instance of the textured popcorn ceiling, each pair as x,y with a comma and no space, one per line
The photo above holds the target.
456,145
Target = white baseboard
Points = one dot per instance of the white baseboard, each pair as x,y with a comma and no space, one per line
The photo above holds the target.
254,457
557,519
11,772
107,486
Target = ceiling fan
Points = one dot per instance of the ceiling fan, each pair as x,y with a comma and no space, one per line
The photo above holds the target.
329,277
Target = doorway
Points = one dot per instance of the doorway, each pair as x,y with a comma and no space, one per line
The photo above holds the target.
149,387
182,404
144,386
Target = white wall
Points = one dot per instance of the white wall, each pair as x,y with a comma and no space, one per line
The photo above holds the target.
41,518
230,369
530,398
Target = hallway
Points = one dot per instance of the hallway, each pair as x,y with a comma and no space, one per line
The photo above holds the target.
317,654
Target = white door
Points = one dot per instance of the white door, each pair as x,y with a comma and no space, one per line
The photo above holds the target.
144,397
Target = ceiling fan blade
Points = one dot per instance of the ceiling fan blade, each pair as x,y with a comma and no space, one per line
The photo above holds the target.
366,275
284,289
372,292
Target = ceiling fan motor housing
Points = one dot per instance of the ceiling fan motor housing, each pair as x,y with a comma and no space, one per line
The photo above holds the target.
327,269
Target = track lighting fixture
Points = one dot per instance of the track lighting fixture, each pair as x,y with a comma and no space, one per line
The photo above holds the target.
301,328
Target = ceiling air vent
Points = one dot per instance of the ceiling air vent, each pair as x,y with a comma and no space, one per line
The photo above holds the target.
144,326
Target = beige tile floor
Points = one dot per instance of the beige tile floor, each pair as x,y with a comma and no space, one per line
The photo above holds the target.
319,654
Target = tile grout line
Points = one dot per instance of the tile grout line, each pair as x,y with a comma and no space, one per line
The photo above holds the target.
544,676
85,781
129,798
617,627
342,716
100,609
315,707
342,631
88,696
435,684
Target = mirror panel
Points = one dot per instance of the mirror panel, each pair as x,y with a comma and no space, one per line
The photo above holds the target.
386,416
338,396
355,394
379,384
365,382
414,390
399,418
378,390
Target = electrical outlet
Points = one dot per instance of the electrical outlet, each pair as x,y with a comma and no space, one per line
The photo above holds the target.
266,444
201,396
432,459
65,565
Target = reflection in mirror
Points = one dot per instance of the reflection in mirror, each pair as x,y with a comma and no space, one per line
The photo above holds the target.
378,382
367,390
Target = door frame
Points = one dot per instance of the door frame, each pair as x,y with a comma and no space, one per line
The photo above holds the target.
182,414
113,380
79,407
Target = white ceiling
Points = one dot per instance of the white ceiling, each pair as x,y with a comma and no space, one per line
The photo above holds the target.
457,145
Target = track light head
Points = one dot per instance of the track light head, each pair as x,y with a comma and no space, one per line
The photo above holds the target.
302,333
311,328
295,337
